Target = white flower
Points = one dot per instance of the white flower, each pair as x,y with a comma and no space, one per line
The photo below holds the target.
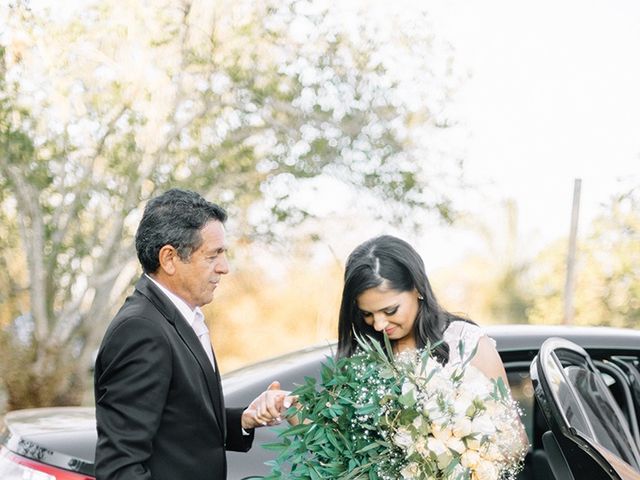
440,450
473,443
470,459
485,470
483,424
402,438
462,403
436,446
462,427
442,434
492,452
456,445
476,382
431,408
440,382
410,471
421,447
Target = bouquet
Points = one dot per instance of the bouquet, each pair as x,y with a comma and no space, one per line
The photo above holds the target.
376,416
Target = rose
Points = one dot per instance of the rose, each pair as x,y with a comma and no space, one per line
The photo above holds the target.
421,447
485,470
442,434
411,471
462,427
470,459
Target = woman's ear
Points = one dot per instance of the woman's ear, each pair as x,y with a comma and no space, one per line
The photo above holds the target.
167,258
420,297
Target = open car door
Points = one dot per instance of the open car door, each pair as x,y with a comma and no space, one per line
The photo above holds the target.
589,438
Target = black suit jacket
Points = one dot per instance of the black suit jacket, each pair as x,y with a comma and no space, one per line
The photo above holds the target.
159,405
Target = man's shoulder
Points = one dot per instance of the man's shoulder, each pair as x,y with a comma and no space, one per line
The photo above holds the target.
137,311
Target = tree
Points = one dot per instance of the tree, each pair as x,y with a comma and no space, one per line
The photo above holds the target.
608,270
102,108
492,283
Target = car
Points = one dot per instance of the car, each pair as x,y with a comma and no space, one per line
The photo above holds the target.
58,443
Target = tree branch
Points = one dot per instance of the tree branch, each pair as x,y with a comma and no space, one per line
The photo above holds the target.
33,238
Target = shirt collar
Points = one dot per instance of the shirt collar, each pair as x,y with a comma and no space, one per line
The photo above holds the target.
188,314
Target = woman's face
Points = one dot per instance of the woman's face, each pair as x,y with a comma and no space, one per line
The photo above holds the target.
391,311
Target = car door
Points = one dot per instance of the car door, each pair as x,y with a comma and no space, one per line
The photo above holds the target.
589,436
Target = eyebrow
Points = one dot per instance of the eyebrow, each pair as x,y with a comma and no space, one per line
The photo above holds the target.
389,307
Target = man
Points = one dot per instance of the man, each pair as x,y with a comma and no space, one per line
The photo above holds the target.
159,405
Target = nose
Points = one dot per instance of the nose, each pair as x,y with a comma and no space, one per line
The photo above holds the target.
379,323
222,267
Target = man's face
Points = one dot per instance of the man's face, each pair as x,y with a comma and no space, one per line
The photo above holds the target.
197,277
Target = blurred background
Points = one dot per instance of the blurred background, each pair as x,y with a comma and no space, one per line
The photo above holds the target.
500,138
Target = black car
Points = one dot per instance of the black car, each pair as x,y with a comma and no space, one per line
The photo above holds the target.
58,443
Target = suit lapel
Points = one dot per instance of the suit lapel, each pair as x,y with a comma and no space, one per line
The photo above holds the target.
221,396
212,378
162,303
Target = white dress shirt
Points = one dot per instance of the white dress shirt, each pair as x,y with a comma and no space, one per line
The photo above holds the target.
194,318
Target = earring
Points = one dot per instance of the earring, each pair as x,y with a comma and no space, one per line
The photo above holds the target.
420,297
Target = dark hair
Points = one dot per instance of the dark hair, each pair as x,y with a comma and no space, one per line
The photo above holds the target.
392,260
174,218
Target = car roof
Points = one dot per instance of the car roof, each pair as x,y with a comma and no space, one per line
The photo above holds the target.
521,337
523,341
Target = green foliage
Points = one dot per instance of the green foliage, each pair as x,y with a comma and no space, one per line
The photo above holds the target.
607,290
338,436
614,250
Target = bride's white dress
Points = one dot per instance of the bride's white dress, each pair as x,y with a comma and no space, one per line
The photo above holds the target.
462,339
465,332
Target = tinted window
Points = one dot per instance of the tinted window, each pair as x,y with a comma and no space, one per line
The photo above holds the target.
522,392
606,424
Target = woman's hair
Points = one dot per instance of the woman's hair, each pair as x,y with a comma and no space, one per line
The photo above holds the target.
391,260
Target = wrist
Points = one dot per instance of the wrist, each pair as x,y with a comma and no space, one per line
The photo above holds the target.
246,421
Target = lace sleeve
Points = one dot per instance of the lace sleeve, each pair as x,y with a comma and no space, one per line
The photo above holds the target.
462,337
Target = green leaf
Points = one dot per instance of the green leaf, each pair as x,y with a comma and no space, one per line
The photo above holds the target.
274,446
408,399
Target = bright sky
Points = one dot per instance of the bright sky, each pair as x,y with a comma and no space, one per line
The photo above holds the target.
554,94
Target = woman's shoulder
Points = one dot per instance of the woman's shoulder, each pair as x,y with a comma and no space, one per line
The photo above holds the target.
462,328
462,337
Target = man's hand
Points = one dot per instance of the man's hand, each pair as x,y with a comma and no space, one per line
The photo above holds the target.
267,409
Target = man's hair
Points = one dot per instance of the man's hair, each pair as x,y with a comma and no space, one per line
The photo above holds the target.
174,218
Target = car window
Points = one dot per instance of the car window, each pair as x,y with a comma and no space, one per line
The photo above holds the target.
606,425
522,392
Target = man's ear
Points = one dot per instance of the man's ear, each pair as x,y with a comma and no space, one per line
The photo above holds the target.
168,256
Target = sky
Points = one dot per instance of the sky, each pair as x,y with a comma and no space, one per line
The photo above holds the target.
553,94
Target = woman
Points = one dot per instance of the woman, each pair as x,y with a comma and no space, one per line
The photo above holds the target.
386,290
